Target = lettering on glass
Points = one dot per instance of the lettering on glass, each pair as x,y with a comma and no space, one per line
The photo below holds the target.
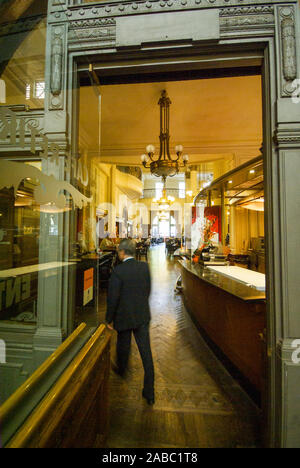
296,93
296,353
13,129
48,191
14,290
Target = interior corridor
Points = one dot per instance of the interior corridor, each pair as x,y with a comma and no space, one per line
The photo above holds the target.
198,404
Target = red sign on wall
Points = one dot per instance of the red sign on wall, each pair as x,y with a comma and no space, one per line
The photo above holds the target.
213,218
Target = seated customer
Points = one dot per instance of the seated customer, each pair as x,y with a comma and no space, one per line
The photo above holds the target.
106,243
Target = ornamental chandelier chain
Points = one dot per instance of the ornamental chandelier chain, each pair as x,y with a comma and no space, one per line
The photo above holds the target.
164,166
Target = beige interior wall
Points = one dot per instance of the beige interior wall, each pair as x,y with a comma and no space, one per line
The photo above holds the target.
247,224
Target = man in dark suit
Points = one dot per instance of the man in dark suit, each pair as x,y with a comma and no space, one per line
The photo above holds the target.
128,309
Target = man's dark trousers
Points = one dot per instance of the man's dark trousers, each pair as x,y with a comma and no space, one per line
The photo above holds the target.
141,335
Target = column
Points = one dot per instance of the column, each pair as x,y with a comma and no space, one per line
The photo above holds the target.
283,232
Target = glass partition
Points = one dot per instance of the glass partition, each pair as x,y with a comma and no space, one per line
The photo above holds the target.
49,267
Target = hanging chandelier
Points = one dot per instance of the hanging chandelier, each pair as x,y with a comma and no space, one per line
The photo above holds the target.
164,201
163,216
164,165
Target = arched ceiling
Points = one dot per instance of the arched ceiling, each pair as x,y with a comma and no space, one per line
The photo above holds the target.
211,118
12,10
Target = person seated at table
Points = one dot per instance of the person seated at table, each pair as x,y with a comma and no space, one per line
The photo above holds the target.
106,243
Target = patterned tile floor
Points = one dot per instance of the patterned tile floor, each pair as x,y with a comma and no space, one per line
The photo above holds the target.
198,404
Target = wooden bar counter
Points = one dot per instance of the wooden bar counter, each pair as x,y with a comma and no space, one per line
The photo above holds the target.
231,313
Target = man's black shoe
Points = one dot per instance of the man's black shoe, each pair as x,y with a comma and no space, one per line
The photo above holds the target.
150,401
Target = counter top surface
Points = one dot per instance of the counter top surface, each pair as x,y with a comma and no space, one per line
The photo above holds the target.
11,272
96,256
226,283
244,275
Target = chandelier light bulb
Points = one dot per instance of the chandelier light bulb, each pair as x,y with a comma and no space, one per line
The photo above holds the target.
185,158
144,158
178,149
150,149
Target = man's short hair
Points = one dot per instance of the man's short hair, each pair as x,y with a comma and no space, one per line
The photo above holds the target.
128,246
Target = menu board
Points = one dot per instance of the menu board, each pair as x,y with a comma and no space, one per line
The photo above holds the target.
88,284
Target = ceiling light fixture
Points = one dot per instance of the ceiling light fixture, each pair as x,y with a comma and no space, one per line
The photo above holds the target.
164,165
164,202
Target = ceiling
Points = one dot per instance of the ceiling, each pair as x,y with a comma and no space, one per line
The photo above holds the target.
212,118
13,10
240,185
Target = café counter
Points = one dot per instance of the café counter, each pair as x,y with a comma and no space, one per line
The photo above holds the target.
224,303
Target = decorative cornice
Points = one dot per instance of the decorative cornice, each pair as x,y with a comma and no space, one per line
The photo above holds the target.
91,34
247,21
287,138
125,8
92,29
90,23
247,10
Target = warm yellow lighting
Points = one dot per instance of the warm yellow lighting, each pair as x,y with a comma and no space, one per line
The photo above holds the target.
230,181
213,203
189,193
163,216
252,171
49,208
165,201
256,205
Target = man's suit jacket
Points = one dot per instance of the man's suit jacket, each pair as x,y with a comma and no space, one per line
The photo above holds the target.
128,295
